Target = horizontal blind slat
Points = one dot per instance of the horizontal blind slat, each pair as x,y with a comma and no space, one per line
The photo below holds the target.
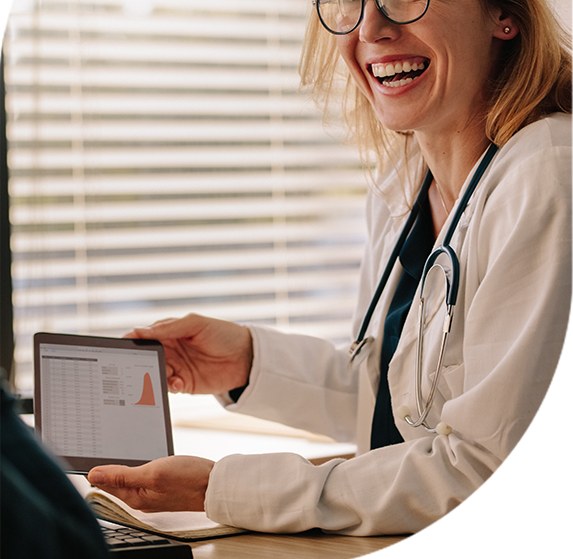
302,131
223,26
331,180
329,232
164,264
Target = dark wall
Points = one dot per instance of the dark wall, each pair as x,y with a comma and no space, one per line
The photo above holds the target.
6,310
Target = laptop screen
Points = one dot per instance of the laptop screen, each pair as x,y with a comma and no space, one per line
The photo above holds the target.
102,399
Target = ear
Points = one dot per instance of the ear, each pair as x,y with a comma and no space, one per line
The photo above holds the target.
505,28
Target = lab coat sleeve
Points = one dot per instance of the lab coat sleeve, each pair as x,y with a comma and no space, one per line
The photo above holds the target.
517,292
303,382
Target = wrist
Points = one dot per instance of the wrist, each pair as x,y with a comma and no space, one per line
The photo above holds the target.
247,359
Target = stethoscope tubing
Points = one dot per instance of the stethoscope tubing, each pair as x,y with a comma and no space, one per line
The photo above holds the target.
451,288
394,255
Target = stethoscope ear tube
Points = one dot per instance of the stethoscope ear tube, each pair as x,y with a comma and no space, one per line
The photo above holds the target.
424,409
392,260
452,274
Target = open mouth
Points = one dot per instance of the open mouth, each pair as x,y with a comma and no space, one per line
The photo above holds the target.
396,74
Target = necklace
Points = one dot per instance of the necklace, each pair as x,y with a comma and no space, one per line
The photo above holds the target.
441,198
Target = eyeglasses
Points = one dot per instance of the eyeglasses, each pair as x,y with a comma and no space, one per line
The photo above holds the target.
343,16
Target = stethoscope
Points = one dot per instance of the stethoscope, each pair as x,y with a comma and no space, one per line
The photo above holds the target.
451,273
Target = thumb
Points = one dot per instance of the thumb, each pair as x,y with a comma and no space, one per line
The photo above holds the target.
113,476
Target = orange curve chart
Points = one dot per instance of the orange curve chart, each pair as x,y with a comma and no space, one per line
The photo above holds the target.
147,396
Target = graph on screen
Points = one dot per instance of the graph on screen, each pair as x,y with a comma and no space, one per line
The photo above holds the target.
147,396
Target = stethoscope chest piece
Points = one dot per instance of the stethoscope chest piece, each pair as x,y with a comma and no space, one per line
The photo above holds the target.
443,429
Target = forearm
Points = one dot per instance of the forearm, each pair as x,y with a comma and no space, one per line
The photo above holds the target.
394,490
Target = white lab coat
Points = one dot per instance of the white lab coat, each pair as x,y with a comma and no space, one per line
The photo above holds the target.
514,247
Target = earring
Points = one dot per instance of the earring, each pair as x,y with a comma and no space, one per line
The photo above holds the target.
507,30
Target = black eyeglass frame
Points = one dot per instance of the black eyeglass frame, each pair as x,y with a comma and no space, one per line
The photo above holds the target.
381,9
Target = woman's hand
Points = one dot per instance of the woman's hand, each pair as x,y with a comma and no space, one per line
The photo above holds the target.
203,355
174,483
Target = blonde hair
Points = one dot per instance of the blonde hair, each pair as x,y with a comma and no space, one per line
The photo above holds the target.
533,79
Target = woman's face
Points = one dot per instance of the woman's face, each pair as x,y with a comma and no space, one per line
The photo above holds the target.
430,75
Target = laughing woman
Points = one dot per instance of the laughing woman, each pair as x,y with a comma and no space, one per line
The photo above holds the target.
463,109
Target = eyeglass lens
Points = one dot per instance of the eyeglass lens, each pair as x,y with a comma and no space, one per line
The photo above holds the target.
343,16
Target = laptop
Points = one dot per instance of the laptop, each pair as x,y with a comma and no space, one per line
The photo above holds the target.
101,401
129,542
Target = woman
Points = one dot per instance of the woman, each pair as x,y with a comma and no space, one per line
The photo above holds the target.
430,85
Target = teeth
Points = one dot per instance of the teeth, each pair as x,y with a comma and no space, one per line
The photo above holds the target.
399,82
388,70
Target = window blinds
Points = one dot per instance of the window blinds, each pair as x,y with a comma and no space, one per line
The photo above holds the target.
162,161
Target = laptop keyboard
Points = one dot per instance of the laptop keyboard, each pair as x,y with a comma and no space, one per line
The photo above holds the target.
136,544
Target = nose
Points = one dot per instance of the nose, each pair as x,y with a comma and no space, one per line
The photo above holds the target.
375,26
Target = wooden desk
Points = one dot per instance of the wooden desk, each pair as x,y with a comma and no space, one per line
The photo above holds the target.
544,539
